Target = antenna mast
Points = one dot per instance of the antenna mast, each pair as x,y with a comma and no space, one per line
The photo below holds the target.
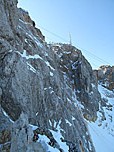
70,39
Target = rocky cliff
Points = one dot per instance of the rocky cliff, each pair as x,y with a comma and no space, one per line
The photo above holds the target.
45,89
105,76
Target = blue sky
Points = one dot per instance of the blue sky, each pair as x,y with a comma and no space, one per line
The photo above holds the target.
90,23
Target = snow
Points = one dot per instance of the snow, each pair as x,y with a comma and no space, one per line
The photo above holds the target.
7,115
51,74
102,141
54,125
48,64
24,55
19,27
44,141
93,85
10,51
105,93
65,66
73,118
67,52
74,66
90,146
51,92
36,56
78,91
26,41
76,102
22,21
57,135
50,123
46,54
33,127
36,113
60,55
91,93
102,131
68,122
59,98
35,40
30,67
69,100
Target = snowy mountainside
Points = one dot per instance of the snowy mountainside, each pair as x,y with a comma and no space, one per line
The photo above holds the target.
102,130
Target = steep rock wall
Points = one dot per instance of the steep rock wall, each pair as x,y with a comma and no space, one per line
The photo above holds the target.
45,82
105,76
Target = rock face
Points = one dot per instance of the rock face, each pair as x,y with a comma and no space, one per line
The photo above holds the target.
48,85
78,73
105,75
5,131
22,137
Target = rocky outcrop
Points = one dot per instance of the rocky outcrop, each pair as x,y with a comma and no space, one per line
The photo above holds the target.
105,76
51,86
22,137
5,131
24,17
8,19
79,74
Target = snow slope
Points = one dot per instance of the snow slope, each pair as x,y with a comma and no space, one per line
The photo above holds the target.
44,140
102,131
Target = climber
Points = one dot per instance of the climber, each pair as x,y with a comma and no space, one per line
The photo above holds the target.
35,137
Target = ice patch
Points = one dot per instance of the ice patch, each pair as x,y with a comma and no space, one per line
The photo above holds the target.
22,21
33,127
69,100
68,122
24,55
10,51
36,113
51,74
51,92
48,64
7,115
30,67
73,118
93,85
57,135
50,123
35,40
67,52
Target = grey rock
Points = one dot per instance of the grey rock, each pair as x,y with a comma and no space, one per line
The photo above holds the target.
0,91
105,76
22,137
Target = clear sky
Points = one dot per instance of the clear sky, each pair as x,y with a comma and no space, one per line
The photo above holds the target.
89,22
